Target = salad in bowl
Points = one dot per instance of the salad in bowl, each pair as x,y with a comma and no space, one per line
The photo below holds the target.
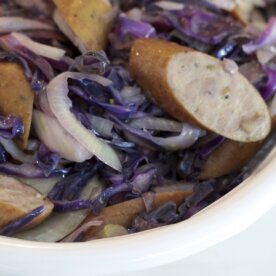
124,116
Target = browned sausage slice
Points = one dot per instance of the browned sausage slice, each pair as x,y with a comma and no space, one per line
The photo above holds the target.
228,157
16,97
231,155
195,87
124,213
18,199
87,21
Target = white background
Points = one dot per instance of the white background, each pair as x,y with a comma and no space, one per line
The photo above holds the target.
251,253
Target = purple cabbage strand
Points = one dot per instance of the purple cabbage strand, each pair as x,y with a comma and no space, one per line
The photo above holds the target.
18,224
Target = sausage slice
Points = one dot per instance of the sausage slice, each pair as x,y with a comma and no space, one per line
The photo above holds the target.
18,199
16,97
194,87
228,157
231,155
88,21
124,213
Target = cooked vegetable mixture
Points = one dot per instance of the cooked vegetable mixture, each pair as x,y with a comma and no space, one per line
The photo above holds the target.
121,116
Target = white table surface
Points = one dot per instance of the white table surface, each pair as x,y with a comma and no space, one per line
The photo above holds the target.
251,253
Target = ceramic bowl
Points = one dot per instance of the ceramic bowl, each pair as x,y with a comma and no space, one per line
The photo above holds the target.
225,218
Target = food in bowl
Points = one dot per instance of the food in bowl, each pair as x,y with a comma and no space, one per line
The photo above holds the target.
122,116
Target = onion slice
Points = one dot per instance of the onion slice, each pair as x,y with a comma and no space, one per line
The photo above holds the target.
101,125
14,24
170,6
43,104
39,48
27,170
58,226
73,236
43,185
60,104
155,123
15,152
12,45
265,54
188,136
56,138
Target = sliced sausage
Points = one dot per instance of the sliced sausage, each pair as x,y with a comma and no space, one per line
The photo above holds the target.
124,213
18,199
16,97
87,23
231,155
194,87
228,157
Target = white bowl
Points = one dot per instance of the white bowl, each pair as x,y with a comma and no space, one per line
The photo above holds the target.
225,218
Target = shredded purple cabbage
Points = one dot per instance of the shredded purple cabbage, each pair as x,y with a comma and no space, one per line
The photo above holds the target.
95,63
101,201
207,149
46,160
11,127
18,224
164,215
131,28
29,171
269,88
3,154
9,43
203,25
169,213
13,57
70,206
192,162
152,159
267,38
65,194
126,30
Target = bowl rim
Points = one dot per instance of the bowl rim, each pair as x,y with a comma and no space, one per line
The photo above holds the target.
243,206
